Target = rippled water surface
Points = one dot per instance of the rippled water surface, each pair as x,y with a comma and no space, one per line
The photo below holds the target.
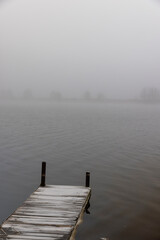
118,143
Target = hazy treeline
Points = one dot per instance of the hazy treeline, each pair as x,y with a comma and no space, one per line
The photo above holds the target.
146,95
150,95
28,94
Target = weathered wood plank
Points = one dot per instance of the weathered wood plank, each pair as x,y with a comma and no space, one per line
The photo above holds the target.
51,212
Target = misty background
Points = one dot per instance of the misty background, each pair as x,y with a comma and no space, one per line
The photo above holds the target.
107,50
107,47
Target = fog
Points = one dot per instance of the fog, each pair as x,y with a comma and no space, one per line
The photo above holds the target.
102,46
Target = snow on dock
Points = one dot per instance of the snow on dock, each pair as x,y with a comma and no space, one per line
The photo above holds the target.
51,212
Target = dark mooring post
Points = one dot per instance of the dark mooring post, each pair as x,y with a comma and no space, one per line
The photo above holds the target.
87,179
43,175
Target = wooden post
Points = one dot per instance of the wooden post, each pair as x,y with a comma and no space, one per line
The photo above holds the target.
87,179
43,175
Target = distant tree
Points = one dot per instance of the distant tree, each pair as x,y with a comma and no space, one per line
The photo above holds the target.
87,96
27,94
100,97
55,96
150,94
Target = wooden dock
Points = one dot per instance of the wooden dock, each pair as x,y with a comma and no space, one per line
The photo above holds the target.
51,212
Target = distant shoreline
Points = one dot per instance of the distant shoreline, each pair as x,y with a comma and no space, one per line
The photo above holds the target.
79,100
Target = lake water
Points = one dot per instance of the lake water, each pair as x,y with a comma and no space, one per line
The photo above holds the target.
118,143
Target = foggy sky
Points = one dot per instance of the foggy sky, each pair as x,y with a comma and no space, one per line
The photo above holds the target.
108,46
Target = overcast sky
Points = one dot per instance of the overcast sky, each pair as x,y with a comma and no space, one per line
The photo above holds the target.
109,46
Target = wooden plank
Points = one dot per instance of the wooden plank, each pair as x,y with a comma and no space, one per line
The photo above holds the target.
51,212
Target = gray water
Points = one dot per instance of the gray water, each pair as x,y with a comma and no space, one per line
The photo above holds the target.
118,143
